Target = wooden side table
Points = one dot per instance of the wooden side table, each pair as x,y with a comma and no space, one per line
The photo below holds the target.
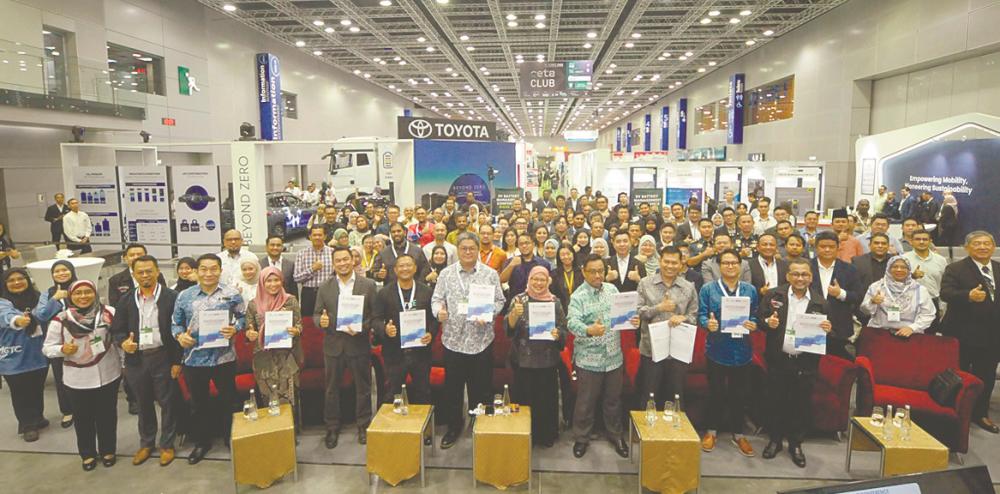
396,443
263,450
920,453
501,449
669,458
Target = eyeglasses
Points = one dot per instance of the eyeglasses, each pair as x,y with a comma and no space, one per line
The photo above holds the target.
729,263
594,271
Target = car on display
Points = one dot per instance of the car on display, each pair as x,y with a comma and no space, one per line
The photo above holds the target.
286,214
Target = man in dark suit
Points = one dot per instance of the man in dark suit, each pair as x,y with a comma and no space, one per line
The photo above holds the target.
624,270
689,229
398,245
274,257
349,348
152,357
767,270
838,282
791,374
969,288
545,202
871,266
54,215
122,282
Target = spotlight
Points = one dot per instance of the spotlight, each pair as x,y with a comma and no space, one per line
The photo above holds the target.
145,136
247,132
78,133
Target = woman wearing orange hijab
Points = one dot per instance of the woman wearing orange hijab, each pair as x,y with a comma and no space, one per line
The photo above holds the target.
278,367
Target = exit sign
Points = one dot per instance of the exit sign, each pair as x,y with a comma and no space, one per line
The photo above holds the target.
169,122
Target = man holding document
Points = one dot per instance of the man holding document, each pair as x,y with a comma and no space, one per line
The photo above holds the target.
728,309
344,309
668,308
405,326
794,314
204,322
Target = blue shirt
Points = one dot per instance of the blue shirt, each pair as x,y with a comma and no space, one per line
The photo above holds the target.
586,306
721,347
194,300
48,308
20,349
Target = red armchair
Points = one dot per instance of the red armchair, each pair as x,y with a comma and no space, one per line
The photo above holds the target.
831,399
899,371
695,402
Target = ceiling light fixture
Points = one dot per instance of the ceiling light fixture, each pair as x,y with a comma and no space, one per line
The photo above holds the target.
317,52
229,7
540,25
745,13
318,22
769,33
421,39
688,54
592,35
636,35
354,29
713,13
734,20
630,45
539,17
345,22
470,48
463,38
706,20
328,29
511,24
298,43
385,3
511,17
588,45
751,42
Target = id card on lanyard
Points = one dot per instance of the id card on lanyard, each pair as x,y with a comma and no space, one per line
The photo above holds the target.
146,317
892,309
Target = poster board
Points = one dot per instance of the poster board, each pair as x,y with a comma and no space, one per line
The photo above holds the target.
96,187
145,210
505,199
653,197
801,199
195,203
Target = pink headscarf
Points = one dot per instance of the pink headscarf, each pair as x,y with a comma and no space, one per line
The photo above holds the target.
265,301
544,294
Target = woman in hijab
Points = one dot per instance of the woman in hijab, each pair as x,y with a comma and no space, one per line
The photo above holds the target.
7,249
340,238
438,261
897,302
246,284
535,357
473,218
274,369
187,274
581,245
357,236
946,233
549,250
93,369
648,254
52,302
25,371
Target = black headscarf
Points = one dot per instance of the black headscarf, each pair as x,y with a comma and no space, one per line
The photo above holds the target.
24,301
437,267
183,284
62,286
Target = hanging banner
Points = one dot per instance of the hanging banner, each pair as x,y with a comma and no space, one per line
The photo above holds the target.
269,96
628,137
665,128
97,190
143,192
618,140
735,117
647,131
249,200
682,123
196,208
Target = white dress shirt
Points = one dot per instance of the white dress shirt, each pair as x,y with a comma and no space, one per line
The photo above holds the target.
770,271
231,265
348,287
796,306
77,225
622,268
826,277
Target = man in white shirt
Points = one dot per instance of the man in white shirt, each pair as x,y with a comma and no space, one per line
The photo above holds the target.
928,267
311,195
77,228
440,233
764,219
293,189
232,256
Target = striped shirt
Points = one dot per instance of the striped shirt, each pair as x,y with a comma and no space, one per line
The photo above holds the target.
304,260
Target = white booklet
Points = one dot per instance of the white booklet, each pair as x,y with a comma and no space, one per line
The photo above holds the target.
210,324
412,327
735,312
809,337
276,324
481,303
350,312
676,342
624,306
541,320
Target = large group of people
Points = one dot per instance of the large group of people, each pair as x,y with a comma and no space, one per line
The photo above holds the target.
575,252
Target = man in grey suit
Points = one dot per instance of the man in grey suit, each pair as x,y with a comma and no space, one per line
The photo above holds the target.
275,248
349,348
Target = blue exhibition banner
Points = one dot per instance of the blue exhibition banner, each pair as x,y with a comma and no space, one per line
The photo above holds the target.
735,117
665,128
682,123
269,96
458,167
647,136
628,137
967,169
683,195
618,139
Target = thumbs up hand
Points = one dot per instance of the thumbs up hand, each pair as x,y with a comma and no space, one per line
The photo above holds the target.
596,329
252,334
634,274
185,339
834,290
390,329
713,325
773,321
918,273
69,348
23,320
878,298
518,309
129,345
666,305
977,294
443,315
765,288
324,319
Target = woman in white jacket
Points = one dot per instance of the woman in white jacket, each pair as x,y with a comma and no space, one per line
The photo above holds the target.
897,302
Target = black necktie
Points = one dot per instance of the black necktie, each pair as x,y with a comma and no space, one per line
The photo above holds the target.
989,280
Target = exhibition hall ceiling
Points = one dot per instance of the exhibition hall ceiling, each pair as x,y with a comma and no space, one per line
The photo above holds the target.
460,58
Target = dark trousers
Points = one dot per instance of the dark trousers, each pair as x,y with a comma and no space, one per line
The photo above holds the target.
57,233
982,363
727,396
416,363
308,299
205,418
151,385
790,382
837,347
474,374
84,248
61,391
591,386
361,370
654,374
539,389
26,396
95,419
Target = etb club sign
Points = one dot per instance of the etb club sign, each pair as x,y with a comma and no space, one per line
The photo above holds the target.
542,79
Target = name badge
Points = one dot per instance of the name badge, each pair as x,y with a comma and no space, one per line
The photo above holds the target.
788,345
97,345
146,337
893,313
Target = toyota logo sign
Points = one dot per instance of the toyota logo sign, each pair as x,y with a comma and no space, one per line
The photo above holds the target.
420,129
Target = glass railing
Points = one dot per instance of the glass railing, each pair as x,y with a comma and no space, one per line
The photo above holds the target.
38,70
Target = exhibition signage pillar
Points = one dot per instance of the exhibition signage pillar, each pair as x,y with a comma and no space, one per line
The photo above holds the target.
269,96
682,123
249,208
647,142
665,128
735,117
628,137
618,139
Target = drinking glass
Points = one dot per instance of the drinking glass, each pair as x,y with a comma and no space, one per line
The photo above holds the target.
877,416
497,404
397,404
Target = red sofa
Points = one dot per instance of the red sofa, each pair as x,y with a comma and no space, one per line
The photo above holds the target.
898,372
